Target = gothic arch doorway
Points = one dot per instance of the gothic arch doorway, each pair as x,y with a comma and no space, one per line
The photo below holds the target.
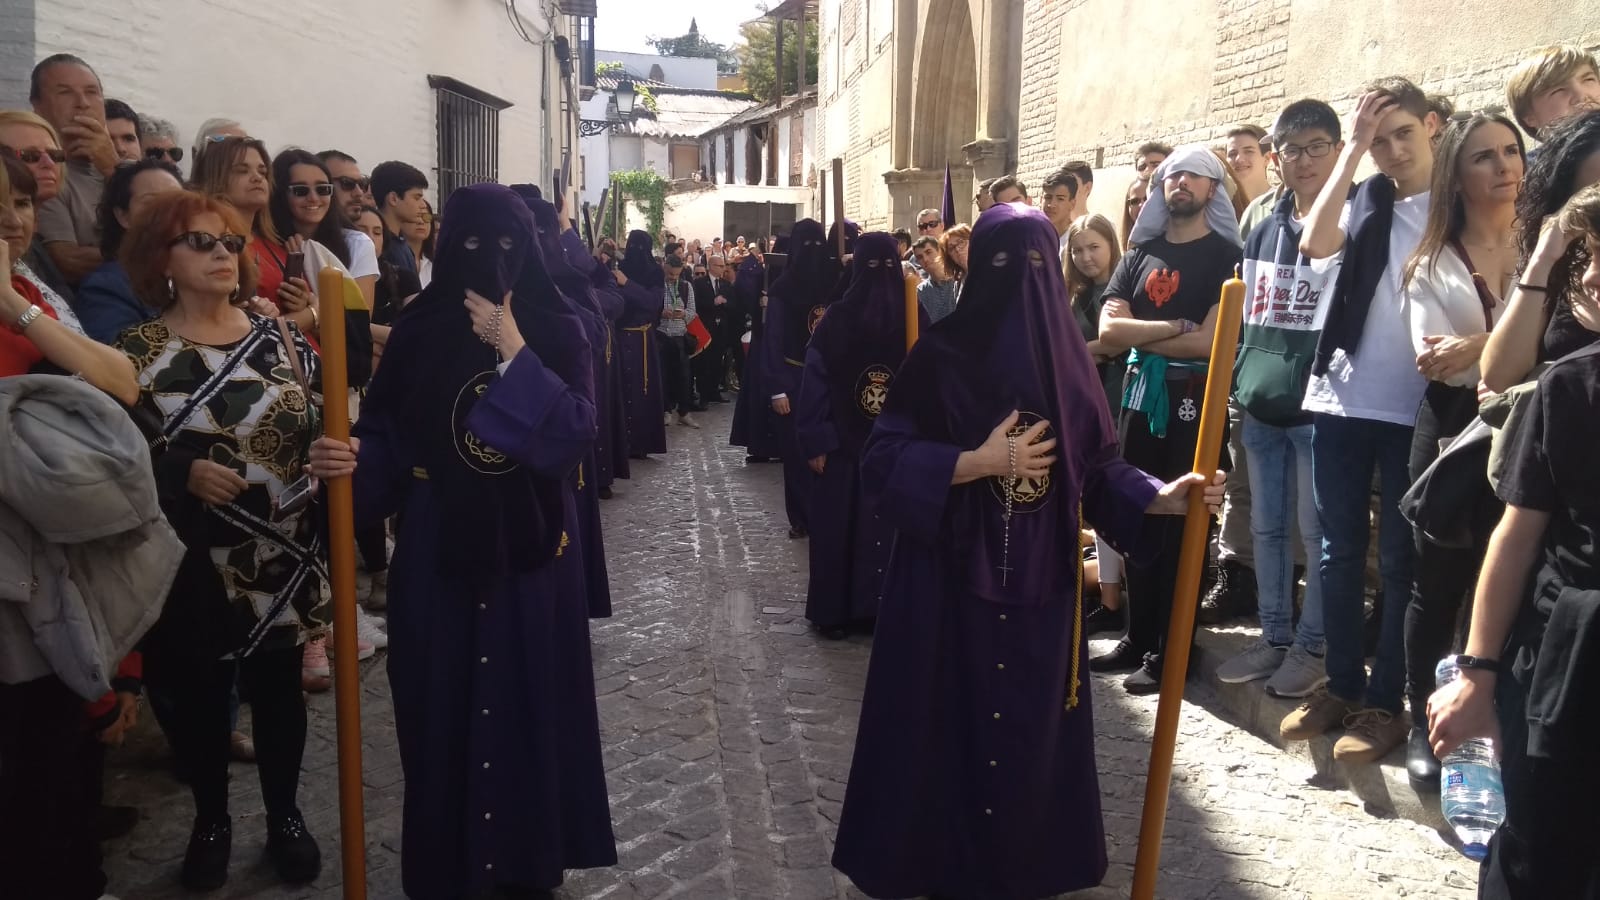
945,116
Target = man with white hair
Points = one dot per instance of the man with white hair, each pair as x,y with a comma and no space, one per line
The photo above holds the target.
158,138
713,294
213,131
1161,304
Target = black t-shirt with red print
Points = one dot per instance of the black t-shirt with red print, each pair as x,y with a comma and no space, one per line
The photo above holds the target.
1163,281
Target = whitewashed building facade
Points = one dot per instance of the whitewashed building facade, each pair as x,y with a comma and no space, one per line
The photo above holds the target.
466,90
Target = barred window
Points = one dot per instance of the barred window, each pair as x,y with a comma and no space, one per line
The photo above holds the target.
469,134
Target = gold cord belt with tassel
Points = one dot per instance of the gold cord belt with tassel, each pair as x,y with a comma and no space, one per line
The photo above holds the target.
644,344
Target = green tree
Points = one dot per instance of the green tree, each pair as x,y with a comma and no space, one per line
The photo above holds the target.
758,57
693,45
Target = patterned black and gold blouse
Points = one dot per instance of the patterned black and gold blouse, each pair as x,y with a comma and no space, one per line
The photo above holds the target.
240,405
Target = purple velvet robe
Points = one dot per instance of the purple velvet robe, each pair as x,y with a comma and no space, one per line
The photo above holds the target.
492,681
613,442
974,771
607,404
849,370
641,369
795,305
753,415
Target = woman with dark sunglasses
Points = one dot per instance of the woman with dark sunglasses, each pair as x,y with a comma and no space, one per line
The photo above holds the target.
248,594
303,208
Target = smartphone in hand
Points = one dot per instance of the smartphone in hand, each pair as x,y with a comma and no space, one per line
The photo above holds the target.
294,266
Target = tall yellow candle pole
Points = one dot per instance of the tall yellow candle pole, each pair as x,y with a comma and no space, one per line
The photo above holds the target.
1191,560
913,320
342,567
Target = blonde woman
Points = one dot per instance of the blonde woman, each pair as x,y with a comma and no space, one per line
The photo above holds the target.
1092,253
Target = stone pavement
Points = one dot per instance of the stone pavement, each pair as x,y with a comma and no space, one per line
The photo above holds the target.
728,730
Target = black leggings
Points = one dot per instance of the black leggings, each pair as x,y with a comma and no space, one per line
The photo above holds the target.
269,680
1444,577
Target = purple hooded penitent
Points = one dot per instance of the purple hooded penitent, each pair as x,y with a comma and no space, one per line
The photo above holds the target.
795,305
974,771
571,341
487,611
849,373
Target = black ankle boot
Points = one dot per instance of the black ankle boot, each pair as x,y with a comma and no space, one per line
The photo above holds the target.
1421,765
293,850
205,863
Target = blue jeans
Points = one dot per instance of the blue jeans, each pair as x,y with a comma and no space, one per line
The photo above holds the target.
1280,480
1344,454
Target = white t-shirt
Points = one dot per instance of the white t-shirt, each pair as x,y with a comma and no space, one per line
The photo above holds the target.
1381,381
363,254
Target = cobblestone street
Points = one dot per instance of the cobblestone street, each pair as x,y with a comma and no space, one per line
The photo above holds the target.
728,729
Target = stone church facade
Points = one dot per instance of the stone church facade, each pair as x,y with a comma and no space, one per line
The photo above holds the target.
999,86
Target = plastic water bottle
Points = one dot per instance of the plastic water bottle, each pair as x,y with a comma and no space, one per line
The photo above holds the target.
1470,792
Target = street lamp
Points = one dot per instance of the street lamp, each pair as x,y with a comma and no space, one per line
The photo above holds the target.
625,97
619,111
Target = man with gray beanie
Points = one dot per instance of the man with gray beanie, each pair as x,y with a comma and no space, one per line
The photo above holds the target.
1161,304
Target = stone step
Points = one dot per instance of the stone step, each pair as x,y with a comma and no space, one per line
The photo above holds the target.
1384,789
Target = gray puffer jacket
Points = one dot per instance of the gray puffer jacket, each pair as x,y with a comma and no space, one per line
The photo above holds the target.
86,558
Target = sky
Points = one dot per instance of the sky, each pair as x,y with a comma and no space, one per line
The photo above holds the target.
624,24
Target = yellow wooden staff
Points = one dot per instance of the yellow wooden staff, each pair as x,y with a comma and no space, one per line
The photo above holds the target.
913,322
332,300
1191,560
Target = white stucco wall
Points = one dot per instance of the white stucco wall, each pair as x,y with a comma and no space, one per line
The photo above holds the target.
298,72
700,214
675,70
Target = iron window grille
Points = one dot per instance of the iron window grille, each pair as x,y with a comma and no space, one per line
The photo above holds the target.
469,135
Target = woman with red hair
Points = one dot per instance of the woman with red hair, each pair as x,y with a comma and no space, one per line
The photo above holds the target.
236,395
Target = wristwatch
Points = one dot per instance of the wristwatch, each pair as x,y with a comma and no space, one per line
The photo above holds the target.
1481,663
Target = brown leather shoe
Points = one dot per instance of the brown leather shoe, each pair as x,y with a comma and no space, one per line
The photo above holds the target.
1320,714
1370,734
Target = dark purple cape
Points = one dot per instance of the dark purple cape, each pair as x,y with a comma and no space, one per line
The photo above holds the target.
578,307
974,771
495,514
752,416
850,366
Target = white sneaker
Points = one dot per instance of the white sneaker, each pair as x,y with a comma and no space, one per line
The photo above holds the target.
687,421
1259,660
369,630
1300,674
666,418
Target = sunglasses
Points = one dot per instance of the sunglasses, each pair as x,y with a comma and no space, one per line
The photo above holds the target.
173,153
924,226
203,242
346,183
301,191
32,157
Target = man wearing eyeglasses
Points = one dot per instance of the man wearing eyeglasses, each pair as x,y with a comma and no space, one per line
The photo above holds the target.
1286,299
352,189
66,92
930,223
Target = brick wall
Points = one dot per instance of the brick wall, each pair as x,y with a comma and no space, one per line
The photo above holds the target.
1264,54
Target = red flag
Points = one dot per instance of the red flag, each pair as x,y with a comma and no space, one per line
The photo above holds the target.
702,337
